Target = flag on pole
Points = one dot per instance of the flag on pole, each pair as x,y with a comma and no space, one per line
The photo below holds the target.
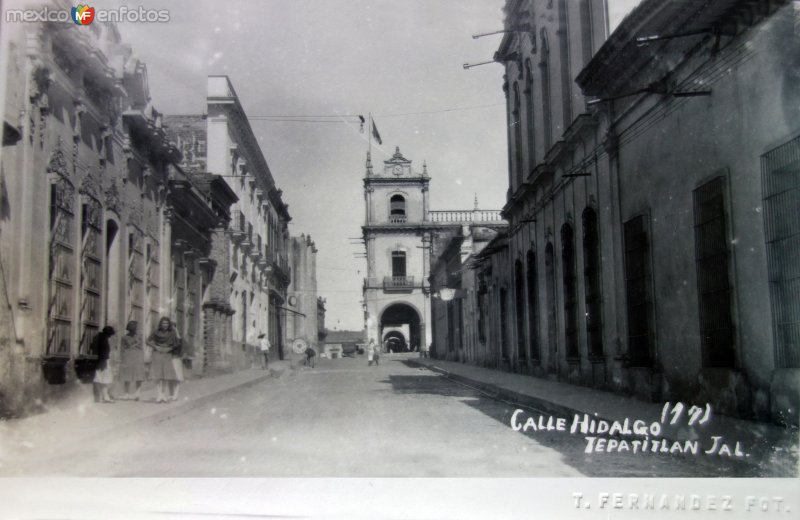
375,133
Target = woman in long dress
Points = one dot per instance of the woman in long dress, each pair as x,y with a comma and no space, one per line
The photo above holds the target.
163,340
131,369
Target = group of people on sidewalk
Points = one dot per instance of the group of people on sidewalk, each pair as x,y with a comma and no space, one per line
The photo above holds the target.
160,359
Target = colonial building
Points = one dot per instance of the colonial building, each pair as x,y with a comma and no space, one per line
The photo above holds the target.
706,222
95,225
665,175
398,235
302,306
245,300
459,326
553,199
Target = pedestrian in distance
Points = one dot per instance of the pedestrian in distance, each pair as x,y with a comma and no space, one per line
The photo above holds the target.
177,364
371,352
377,355
310,355
131,368
426,347
263,344
104,374
163,341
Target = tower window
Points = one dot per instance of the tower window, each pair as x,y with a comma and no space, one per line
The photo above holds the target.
397,209
398,264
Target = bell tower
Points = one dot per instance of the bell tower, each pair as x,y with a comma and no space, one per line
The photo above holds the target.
397,239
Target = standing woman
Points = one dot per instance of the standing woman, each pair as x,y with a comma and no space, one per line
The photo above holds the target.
163,340
131,369
104,375
177,364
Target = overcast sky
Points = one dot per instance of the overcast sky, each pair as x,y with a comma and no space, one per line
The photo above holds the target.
322,58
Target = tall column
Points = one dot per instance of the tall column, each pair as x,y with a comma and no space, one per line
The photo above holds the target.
165,265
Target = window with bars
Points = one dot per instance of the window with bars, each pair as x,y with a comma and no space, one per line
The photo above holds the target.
570,292
712,258
533,306
91,272
591,277
639,292
61,277
519,308
780,177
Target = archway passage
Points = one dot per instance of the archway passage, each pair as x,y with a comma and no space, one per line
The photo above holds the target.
397,319
396,341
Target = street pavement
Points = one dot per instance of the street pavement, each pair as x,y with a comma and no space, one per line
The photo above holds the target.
340,419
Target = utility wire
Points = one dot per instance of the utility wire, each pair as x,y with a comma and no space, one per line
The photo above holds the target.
341,118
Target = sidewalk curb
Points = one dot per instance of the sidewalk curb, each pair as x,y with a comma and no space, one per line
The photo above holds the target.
539,405
544,406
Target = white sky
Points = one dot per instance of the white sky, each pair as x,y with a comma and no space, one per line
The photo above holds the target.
314,57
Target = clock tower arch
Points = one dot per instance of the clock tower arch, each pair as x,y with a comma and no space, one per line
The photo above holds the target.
397,237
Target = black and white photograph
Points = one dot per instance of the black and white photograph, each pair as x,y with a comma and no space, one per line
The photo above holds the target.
397,259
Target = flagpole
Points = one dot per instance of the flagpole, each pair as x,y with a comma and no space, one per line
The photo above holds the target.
369,135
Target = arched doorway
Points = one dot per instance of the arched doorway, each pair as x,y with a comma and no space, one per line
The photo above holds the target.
400,325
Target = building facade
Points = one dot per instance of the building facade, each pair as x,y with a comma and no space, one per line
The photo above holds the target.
400,234
253,252
87,166
459,296
707,227
396,290
651,202
302,306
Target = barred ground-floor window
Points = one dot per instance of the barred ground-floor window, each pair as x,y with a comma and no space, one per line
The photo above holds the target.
61,277
781,183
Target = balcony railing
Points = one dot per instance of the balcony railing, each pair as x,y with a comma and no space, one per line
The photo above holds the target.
459,216
397,219
398,282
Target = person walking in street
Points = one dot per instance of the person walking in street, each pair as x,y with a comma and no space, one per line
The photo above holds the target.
104,375
131,368
371,352
263,344
177,364
310,355
377,355
163,341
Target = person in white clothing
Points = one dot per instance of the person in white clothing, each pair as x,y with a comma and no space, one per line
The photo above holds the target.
263,344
